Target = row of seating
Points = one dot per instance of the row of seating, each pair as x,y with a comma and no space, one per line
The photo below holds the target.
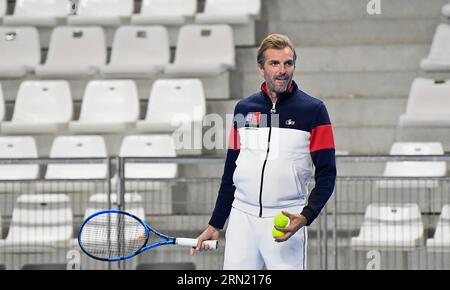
87,147
400,227
116,12
108,106
137,51
438,59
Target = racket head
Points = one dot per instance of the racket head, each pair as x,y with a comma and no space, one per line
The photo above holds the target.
113,235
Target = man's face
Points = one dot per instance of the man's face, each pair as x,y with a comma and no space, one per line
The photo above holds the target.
278,70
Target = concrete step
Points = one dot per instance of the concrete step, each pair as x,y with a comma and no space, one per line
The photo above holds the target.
379,84
367,31
358,58
331,10
364,140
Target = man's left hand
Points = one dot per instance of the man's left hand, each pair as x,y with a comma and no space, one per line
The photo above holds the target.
296,222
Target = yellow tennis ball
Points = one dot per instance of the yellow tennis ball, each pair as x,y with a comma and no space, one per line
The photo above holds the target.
280,220
276,233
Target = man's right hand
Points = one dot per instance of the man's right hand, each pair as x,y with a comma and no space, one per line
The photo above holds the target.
210,233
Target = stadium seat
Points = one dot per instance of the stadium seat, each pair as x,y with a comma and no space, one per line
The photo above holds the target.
109,106
20,51
396,227
441,239
74,52
77,147
2,104
165,12
41,107
203,50
239,14
102,12
138,51
414,168
18,147
39,223
446,10
428,104
229,11
32,267
38,13
439,58
166,266
174,102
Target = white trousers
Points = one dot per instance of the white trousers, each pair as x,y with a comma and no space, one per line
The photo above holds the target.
249,245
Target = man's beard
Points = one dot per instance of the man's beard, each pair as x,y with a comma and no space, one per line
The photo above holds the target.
280,88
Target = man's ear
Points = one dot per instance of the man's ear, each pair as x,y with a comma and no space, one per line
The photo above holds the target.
260,69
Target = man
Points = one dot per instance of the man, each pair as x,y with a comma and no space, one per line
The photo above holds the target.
278,134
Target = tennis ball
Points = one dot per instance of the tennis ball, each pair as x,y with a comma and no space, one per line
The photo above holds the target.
276,233
280,220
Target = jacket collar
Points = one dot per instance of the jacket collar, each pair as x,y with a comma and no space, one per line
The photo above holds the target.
290,91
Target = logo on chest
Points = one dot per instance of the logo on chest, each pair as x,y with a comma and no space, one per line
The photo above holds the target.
290,122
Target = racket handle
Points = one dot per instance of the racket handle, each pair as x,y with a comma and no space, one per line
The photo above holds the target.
213,244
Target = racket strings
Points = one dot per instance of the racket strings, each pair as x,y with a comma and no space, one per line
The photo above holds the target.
113,235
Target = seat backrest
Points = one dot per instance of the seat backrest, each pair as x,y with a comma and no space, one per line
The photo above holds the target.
41,218
443,226
169,7
135,45
70,45
18,147
110,101
205,44
19,46
176,99
99,202
77,147
416,168
149,146
43,101
55,8
106,7
2,104
249,7
441,43
393,213
429,97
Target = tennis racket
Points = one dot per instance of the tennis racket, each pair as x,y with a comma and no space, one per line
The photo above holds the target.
114,235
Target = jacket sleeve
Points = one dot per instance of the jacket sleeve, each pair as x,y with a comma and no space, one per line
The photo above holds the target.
225,197
322,151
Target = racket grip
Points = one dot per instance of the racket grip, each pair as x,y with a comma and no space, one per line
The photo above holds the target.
213,244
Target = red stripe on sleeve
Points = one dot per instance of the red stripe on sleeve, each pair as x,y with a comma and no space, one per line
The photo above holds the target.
321,138
234,142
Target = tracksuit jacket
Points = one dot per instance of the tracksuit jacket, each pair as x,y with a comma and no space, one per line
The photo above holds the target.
271,152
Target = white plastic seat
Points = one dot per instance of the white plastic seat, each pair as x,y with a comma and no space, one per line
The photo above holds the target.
40,223
390,227
47,13
439,58
108,106
165,12
20,51
102,12
18,147
203,51
74,51
78,147
138,51
446,10
229,11
41,107
414,168
428,104
441,239
174,102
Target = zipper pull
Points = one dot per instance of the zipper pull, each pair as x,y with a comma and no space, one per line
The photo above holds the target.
273,110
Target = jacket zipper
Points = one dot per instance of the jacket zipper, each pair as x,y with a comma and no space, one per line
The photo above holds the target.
272,111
